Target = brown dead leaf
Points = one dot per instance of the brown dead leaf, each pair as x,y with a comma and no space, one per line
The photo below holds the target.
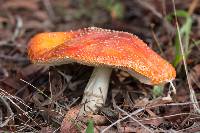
155,102
159,101
155,122
141,103
31,70
69,122
46,130
11,82
171,111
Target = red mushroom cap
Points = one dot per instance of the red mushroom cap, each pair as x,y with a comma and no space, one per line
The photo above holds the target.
101,47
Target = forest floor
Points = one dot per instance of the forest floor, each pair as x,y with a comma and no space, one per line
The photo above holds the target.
36,98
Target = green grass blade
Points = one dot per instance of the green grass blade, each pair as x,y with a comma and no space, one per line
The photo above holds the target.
185,31
90,127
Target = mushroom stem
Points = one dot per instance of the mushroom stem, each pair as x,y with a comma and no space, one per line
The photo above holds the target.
96,90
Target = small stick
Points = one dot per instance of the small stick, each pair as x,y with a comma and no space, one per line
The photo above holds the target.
2,124
134,119
192,93
119,120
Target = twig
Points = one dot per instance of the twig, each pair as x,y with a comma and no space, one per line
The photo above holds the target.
41,92
4,92
119,120
189,129
150,7
73,102
49,9
157,42
24,126
171,104
2,124
168,116
7,95
34,112
134,119
22,110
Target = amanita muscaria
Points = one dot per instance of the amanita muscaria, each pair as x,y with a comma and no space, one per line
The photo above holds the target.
104,49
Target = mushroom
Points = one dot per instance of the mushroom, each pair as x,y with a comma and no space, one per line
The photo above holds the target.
104,49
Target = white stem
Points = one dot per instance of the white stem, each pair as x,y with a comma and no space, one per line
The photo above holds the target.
95,93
